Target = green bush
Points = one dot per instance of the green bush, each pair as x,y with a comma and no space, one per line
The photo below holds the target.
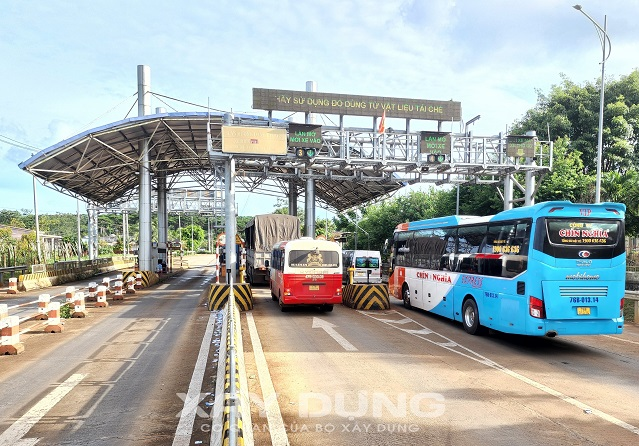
66,310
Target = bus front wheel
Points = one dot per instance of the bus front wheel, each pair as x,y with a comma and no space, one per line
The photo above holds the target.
470,317
406,298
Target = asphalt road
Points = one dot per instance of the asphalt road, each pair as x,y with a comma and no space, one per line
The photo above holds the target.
403,377
120,376
117,377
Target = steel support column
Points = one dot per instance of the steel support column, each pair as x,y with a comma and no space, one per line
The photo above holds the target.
92,214
292,198
508,192
229,187
309,197
144,108
163,217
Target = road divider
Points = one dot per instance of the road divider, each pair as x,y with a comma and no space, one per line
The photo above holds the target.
236,412
366,296
218,294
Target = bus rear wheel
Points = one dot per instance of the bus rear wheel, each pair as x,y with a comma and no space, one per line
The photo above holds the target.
470,317
406,298
326,307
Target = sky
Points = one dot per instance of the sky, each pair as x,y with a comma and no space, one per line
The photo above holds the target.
69,66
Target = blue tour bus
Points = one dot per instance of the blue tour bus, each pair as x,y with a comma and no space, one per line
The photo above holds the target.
551,268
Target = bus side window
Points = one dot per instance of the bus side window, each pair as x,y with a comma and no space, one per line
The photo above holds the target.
446,262
402,249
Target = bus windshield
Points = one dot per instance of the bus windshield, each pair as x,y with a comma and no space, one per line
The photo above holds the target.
314,258
568,237
567,231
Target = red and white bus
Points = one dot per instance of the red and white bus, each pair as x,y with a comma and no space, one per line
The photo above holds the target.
306,271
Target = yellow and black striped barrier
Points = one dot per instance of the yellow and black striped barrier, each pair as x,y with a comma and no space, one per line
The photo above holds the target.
366,296
226,419
219,294
148,277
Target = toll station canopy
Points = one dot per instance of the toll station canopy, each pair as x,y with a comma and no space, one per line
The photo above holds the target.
102,165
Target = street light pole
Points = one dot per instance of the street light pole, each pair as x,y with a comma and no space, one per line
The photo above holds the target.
603,38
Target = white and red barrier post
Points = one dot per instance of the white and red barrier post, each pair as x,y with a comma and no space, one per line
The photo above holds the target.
118,290
54,324
79,309
9,333
93,292
69,294
138,281
13,285
106,281
101,298
43,307
130,285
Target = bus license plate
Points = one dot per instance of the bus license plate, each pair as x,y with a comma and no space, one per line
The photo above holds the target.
583,310
316,288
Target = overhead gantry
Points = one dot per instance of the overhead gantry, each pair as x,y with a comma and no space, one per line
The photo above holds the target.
153,158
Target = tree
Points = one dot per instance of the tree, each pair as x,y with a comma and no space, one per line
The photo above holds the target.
571,113
192,237
566,181
380,220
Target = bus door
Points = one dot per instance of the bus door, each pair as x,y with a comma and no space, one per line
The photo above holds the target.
438,286
503,257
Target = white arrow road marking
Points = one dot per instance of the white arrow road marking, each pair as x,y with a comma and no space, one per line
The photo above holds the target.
330,330
17,430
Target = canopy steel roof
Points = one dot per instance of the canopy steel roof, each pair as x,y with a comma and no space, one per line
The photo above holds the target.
102,165
354,166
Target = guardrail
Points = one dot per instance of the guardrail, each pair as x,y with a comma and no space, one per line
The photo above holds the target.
634,295
11,270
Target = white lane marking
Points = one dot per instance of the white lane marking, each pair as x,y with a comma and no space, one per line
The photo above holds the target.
271,406
13,435
164,286
330,329
193,398
620,339
470,354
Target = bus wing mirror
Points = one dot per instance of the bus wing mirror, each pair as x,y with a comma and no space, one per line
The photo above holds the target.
267,263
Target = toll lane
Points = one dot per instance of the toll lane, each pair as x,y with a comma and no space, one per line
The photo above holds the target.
419,379
118,376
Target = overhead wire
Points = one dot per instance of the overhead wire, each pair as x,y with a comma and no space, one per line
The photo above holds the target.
17,144
158,95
